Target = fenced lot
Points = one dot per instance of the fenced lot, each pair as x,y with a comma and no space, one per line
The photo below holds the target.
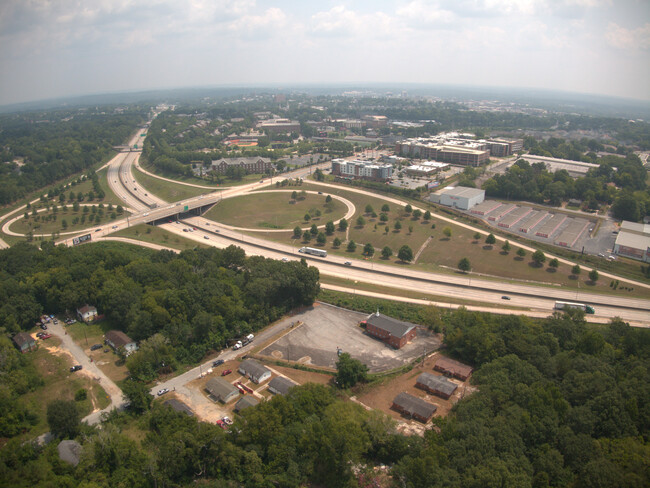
326,328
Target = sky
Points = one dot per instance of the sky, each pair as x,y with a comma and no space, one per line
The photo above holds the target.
56,48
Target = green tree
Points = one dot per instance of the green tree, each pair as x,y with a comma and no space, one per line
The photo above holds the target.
361,221
427,216
521,253
307,217
306,236
405,254
328,198
417,213
576,270
314,229
294,195
464,265
329,228
506,247
477,236
369,209
554,263
343,225
369,250
539,257
137,394
398,225
408,209
336,242
350,371
593,275
490,239
321,239
352,246
385,208
383,218
297,232
63,418
447,232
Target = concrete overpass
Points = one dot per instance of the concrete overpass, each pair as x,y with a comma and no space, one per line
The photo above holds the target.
179,210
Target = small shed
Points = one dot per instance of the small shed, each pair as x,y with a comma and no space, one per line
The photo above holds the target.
118,339
392,331
438,385
69,451
451,367
245,402
415,407
254,370
87,313
221,390
179,406
280,385
24,342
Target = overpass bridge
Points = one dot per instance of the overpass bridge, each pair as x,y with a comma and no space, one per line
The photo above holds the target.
185,208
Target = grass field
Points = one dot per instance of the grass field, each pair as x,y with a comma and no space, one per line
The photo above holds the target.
157,235
275,211
43,226
59,383
166,190
224,180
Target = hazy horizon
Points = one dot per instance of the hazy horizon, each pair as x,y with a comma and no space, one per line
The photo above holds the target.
69,48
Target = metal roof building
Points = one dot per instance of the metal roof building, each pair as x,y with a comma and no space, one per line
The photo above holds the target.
438,385
392,331
461,197
280,385
221,390
179,406
453,368
414,407
245,402
254,370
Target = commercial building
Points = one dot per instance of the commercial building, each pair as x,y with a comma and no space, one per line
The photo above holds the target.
453,368
460,197
221,390
251,165
362,169
633,241
87,313
414,407
24,342
279,126
438,385
425,168
254,370
280,385
119,340
375,121
392,331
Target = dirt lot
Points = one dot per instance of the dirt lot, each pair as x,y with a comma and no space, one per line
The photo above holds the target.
326,328
381,397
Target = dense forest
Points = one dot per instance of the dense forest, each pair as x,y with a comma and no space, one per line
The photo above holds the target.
40,148
559,403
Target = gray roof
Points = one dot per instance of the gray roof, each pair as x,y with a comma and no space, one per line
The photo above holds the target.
635,241
437,383
414,405
245,402
69,451
280,385
461,191
220,388
23,338
253,368
395,327
179,406
118,338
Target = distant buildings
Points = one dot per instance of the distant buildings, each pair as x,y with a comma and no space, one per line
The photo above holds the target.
279,126
460,197
426,168
362,169
633,241
251,165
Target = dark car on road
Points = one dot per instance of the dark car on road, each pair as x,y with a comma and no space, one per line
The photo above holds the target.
94,347
218,362
75,368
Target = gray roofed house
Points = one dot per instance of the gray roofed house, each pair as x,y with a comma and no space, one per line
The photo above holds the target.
395,332
280,385
245,402
438,385
414,406
254,370
24,342
118,339
69,451
221,390
179,406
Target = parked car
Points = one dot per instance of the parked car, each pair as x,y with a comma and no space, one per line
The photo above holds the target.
40,334
218,362
46,336
163,391
94,347
348,263
43,326
227,420
285,260
78,367
222,424
226,372
206,237
505,297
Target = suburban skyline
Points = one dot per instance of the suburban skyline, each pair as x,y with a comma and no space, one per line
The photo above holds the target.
63,48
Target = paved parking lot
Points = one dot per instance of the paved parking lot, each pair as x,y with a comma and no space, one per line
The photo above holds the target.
326,328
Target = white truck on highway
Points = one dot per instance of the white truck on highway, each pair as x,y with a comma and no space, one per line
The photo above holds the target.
581,306
246,340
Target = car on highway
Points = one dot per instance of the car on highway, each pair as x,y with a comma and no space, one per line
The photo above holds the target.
285,260
114,227
348,263
163,391
505,297
97,230
206,237
226,372
218,362
94,347
78,367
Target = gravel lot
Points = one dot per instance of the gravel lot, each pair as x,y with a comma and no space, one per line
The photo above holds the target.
326,327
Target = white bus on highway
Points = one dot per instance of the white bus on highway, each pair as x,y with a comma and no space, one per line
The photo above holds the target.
311,250
581,306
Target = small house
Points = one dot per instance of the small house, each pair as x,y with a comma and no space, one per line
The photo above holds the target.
119,340
69,451
254,370
245,402
414,407
179,406
221,390
437,385
453,368
24,342
280,385
392,331
87,313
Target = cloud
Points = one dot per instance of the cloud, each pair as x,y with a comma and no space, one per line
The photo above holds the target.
423,14
629,39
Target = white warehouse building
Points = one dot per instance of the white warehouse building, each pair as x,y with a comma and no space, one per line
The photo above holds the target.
460,197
